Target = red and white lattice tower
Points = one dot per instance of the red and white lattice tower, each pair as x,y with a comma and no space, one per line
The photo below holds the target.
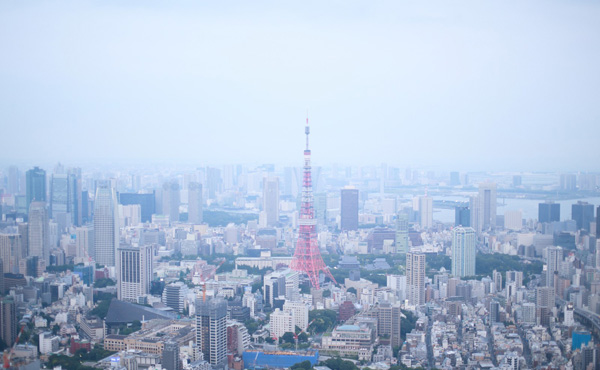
307,258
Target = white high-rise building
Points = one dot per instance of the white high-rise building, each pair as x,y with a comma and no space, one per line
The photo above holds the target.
106,225
281,322
134,272
426,211
39,236
569,310
195,203
300,312
84,241
487,205
401,233
415,278
171,200
463,251
271,200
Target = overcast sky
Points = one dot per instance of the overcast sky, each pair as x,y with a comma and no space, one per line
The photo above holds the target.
498,85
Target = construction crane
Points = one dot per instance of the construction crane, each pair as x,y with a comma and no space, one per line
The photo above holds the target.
301,331
8,354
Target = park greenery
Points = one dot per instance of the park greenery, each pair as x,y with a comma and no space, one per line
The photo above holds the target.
104,282
324,320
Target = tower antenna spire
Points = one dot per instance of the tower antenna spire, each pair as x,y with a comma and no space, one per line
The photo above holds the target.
307,130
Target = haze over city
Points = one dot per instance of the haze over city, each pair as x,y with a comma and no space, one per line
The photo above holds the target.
263,185
466,85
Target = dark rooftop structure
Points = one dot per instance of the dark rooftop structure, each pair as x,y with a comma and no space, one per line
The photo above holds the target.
121,312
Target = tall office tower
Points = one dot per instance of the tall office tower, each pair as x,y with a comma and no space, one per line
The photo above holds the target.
598,223
463,252
568,181
147,202
462,216
59,194
174,295
8,321
170,356
84,241
349,209
474,214
487,205
544,297
270,201
106,225
554,257
35,186
134,272
583,214
497,278
213,182
13,181
10,252
38,230
211,330
402,233
321,208
415,278
75,196
307,257
171,200
426,212
195,203
494,311
549,212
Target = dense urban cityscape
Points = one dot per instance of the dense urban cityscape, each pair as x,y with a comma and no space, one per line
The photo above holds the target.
327,267
304,185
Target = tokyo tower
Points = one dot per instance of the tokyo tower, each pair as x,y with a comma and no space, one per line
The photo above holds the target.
307,257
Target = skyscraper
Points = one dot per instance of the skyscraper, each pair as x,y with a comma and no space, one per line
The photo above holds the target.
487,205
147,202
415,278
35,186
554,257
463,252
171,200
10,252
211,330
426,212
349,209
474,213
271,200
39,238
8,321
401,233
583,214
307,256
106,224
462,216
549,212
195,203
134,272
59,195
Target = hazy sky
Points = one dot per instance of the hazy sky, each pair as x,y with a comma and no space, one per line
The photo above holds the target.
496,85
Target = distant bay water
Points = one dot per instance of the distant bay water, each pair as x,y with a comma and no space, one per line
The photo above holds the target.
529,207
